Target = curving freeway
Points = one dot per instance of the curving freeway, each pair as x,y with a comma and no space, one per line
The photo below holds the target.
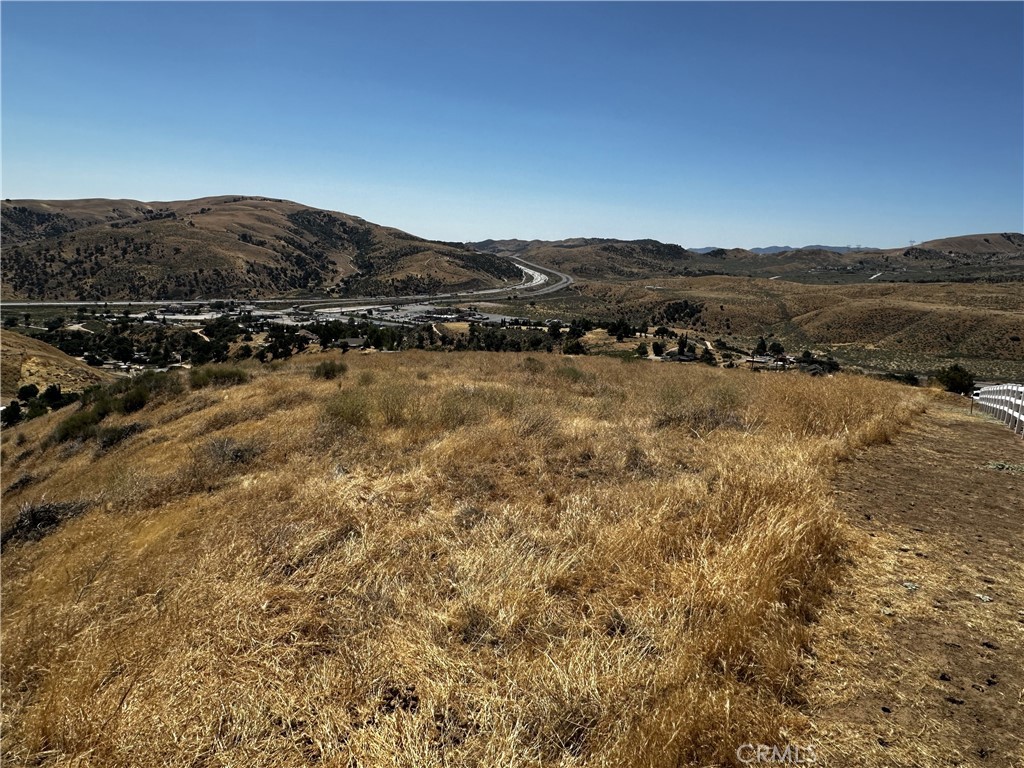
537,281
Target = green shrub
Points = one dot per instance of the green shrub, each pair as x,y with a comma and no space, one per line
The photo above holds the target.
571,372
574,347
348,408
11,414
956,378
153,382
36,408
78,426
27,392
217,375
125,396
52,396
103,404
135,392
134,399
909,379
108,437
329,369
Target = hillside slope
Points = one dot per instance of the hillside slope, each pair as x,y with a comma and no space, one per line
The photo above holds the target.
596,258
24,360
237,247
882,326
1011,243
433,560
994,257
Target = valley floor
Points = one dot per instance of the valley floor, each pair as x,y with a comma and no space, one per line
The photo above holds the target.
922,661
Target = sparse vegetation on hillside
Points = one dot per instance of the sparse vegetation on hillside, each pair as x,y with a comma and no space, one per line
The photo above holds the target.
239,247
457,559
882,327
30,367
988,258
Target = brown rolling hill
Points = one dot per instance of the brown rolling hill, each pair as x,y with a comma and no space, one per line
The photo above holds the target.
216,247
1010,243
880,326
598,258
24,361
432,560
986,257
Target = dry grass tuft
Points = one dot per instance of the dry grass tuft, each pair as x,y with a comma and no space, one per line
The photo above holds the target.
435,560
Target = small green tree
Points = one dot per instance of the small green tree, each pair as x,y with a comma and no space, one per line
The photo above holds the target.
52,395
27,392
574,347
658,349
761,348
956,378
641,349
36,408
11,414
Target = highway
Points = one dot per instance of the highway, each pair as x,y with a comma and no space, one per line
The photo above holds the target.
537,281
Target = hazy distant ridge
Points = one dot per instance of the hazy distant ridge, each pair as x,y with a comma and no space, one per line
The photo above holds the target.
770,249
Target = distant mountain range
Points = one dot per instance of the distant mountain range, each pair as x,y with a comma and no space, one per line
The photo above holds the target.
782,248
258,247
994,257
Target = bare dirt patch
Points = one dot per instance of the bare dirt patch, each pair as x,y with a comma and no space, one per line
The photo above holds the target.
921,659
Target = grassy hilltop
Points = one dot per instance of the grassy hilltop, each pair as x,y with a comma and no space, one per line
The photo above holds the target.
461,559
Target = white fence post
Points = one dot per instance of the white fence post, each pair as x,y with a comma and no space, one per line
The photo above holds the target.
1006,403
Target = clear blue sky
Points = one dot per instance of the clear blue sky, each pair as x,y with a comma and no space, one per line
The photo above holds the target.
734,124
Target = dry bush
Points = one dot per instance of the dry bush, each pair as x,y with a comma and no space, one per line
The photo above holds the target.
505,561
347,409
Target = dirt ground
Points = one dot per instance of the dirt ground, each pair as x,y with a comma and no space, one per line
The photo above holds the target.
920,661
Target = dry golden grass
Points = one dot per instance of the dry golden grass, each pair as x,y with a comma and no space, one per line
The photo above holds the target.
461,559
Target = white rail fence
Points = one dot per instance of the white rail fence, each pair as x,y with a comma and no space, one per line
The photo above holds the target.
1005,402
